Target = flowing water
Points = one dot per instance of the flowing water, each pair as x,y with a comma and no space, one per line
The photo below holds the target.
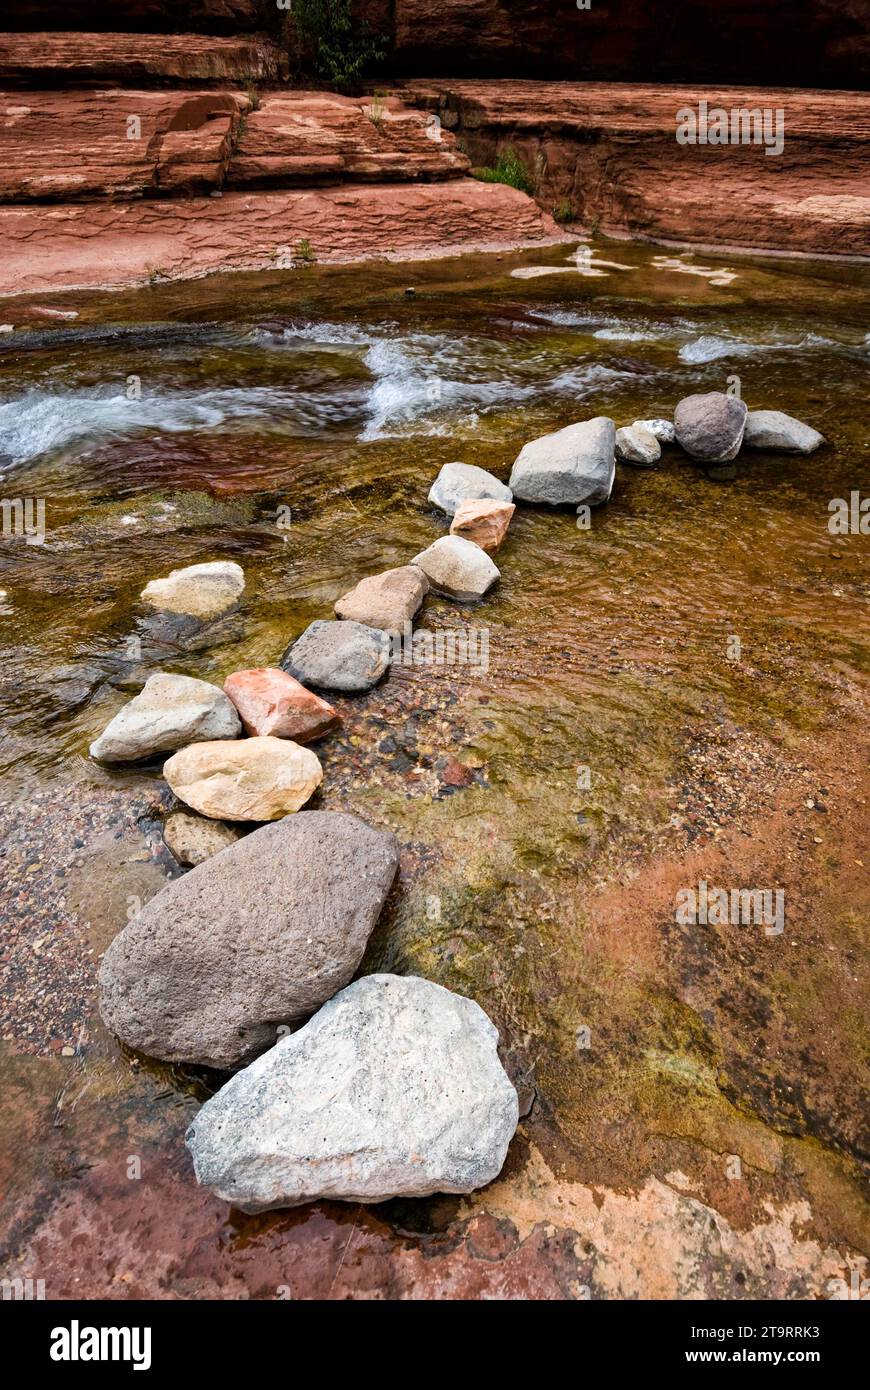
294,422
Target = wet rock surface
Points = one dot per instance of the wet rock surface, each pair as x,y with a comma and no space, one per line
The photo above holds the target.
271,702
457,568
170,712
638,445
198,591
780,433
387,601
393,1089
258,936
345,655
462,482
573,465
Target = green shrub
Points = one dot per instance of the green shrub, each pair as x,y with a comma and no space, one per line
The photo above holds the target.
509,169
563,212
340,49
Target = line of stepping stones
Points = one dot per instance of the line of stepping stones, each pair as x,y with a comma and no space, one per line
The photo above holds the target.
393,1087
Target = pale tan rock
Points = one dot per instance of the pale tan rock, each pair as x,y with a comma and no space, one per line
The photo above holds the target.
270,701
192,839
200,591
387,601
483,521
253,779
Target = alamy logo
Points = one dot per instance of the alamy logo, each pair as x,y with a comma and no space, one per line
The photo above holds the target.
24,517
22,1290
740,126
720,907
76,1343
466,646
850,517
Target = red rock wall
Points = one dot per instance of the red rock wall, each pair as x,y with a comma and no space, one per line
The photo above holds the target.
139,16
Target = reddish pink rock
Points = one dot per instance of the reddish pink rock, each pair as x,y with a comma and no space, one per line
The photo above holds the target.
271,702
483,521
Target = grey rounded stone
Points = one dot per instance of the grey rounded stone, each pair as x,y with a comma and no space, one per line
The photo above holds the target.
459,482
457,568
394,1089
710,426
663,430
257,936
344,655
573,465
170,712
780,433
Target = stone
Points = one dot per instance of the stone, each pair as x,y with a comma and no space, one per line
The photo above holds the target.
780,433
200,591
457,568
573,465
253,779
170,712
341,655
257,937
637,445
483,521
387,601
459,482
193,839
710,426
662,430
394,1089
269,701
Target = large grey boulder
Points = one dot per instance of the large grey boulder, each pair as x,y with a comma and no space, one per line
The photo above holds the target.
573,465
457,568
780,433
394,1089
457,482
342,655
170,712
710,426
260,935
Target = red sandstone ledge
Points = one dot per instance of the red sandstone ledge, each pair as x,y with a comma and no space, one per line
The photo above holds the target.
110,246
63,58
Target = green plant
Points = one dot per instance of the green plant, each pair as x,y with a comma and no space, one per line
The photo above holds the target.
563,212
375,111
509,169
305,251
253,95
341,49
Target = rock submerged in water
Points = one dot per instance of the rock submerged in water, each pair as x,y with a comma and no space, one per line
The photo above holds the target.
200,591
387,601
780,433
483,521
637,445
257,936
457,568
574,465
270,702
341,655
170,712
710,426
254,779
394,1089
192,839
460,482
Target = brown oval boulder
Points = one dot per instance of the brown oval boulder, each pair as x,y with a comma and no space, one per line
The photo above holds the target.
260,779
483,521
257,937
387,601
270,702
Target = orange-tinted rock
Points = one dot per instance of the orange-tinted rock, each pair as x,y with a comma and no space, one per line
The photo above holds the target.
483,521
62,58
92,245
270,701
300,137
608,153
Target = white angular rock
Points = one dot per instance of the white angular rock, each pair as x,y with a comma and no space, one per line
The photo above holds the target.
780,433
393,1089
169,712
201,591
662,429
637,445
457,568
457,482
573,465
